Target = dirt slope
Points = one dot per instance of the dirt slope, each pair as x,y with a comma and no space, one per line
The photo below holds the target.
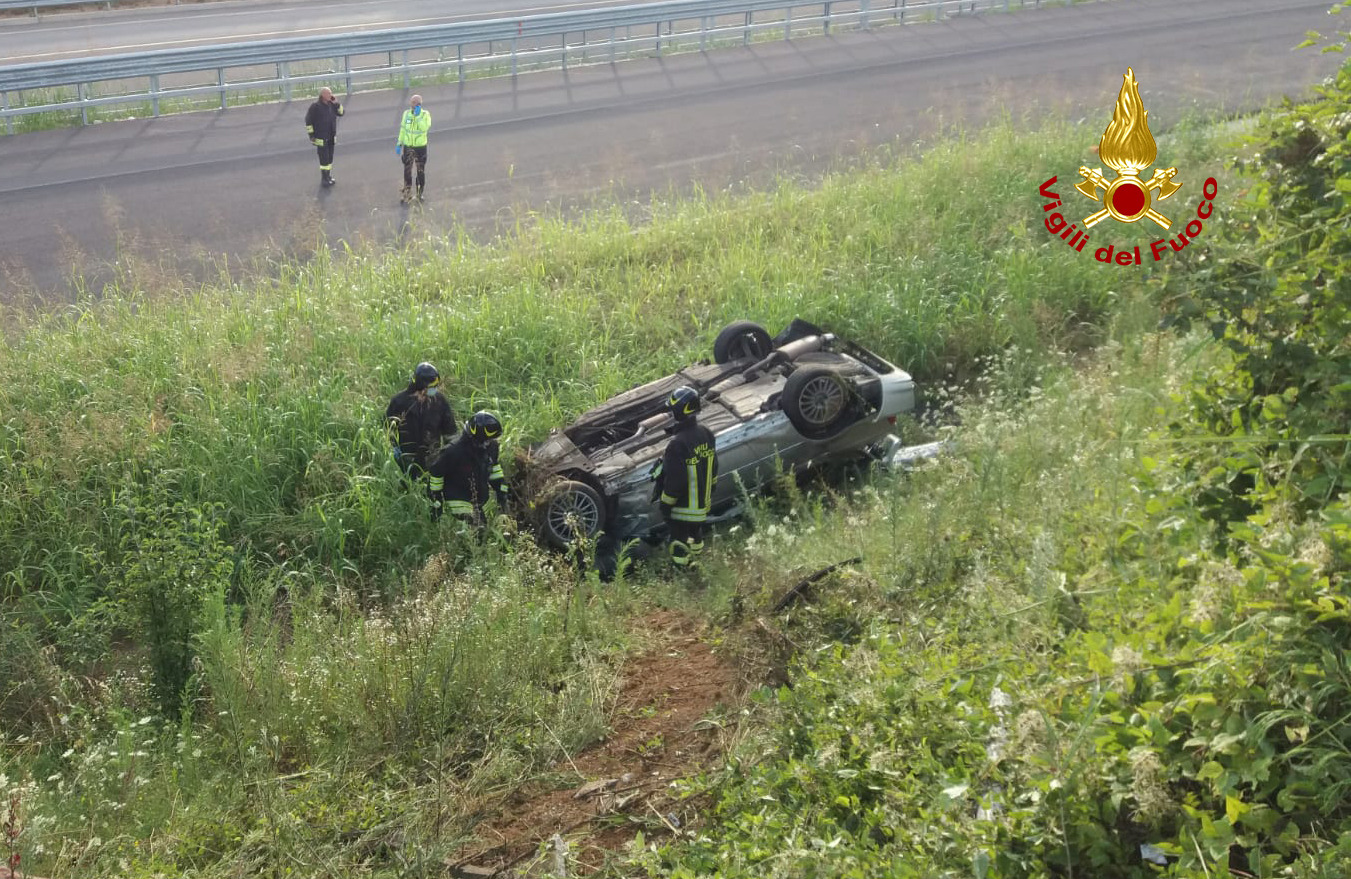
662,731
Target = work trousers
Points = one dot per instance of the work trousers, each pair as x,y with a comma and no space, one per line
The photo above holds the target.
687,542
415,155
325,155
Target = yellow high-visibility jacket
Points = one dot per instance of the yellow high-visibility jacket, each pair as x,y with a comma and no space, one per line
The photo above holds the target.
413,129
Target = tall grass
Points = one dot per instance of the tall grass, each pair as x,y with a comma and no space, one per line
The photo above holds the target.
355,667
268,400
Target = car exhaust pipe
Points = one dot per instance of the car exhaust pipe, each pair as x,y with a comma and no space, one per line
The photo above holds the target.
783,354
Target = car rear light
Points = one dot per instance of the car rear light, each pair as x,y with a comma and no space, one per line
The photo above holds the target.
891,419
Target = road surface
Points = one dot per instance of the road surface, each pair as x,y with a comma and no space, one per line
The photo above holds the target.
189,194
93,30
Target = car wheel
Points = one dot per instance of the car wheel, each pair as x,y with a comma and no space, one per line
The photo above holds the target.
740,340
817,402
571,511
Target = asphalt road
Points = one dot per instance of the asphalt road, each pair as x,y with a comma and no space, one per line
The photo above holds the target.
96,31
190,193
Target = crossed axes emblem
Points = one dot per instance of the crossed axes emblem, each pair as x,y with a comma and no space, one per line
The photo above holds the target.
1162,182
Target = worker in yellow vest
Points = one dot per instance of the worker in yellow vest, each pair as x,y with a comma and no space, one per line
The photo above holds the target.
412,146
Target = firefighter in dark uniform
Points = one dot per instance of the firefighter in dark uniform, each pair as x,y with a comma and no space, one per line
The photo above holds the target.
321,124
467,471
420,420
685,477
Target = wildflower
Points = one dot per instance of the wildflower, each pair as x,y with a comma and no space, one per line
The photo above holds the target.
1153,803
1314,552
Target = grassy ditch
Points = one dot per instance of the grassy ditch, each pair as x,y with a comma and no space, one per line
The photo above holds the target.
233,642
1108,637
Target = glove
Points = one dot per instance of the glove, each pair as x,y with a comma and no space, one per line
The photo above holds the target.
398,150
317,141
655,475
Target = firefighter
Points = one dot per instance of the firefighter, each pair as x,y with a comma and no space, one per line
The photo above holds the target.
467,471
684,478
411,146
419,419
321,124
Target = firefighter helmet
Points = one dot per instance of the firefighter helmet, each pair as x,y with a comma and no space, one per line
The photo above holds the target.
426,376
683,403
483,426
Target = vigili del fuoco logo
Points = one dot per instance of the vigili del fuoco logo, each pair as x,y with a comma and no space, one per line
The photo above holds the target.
1127,147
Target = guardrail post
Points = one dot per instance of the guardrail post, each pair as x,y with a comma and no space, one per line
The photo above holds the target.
658,38
703,33
285,76
564,59
347,69
154,94
84,108
612,44
459,61
407,72
513,56
825,25
863,14
746,31
220,80
787,24
902,15
9,120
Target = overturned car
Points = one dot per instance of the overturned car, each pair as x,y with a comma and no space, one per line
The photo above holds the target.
799,399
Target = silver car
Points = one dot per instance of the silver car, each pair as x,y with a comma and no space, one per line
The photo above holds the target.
799,399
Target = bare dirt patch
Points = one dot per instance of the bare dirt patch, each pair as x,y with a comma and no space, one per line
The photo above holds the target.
667,725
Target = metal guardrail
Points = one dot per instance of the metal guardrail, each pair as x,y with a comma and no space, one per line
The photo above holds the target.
272,68
34,5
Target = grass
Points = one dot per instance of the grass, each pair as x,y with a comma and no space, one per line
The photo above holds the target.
209,464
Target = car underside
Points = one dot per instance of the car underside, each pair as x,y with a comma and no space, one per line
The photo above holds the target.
799,399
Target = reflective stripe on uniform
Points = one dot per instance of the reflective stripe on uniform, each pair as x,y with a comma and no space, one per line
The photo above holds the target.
681,514
438,483
460,508
497,473
697,510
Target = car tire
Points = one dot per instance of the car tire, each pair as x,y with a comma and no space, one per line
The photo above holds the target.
566,499
817,402
740,340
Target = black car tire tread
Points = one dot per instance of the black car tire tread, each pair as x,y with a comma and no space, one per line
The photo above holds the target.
742,339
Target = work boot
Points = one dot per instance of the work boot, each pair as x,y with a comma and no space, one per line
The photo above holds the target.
419,193
405,195
329,179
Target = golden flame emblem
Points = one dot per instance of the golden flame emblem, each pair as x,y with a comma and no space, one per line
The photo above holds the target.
1128,148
